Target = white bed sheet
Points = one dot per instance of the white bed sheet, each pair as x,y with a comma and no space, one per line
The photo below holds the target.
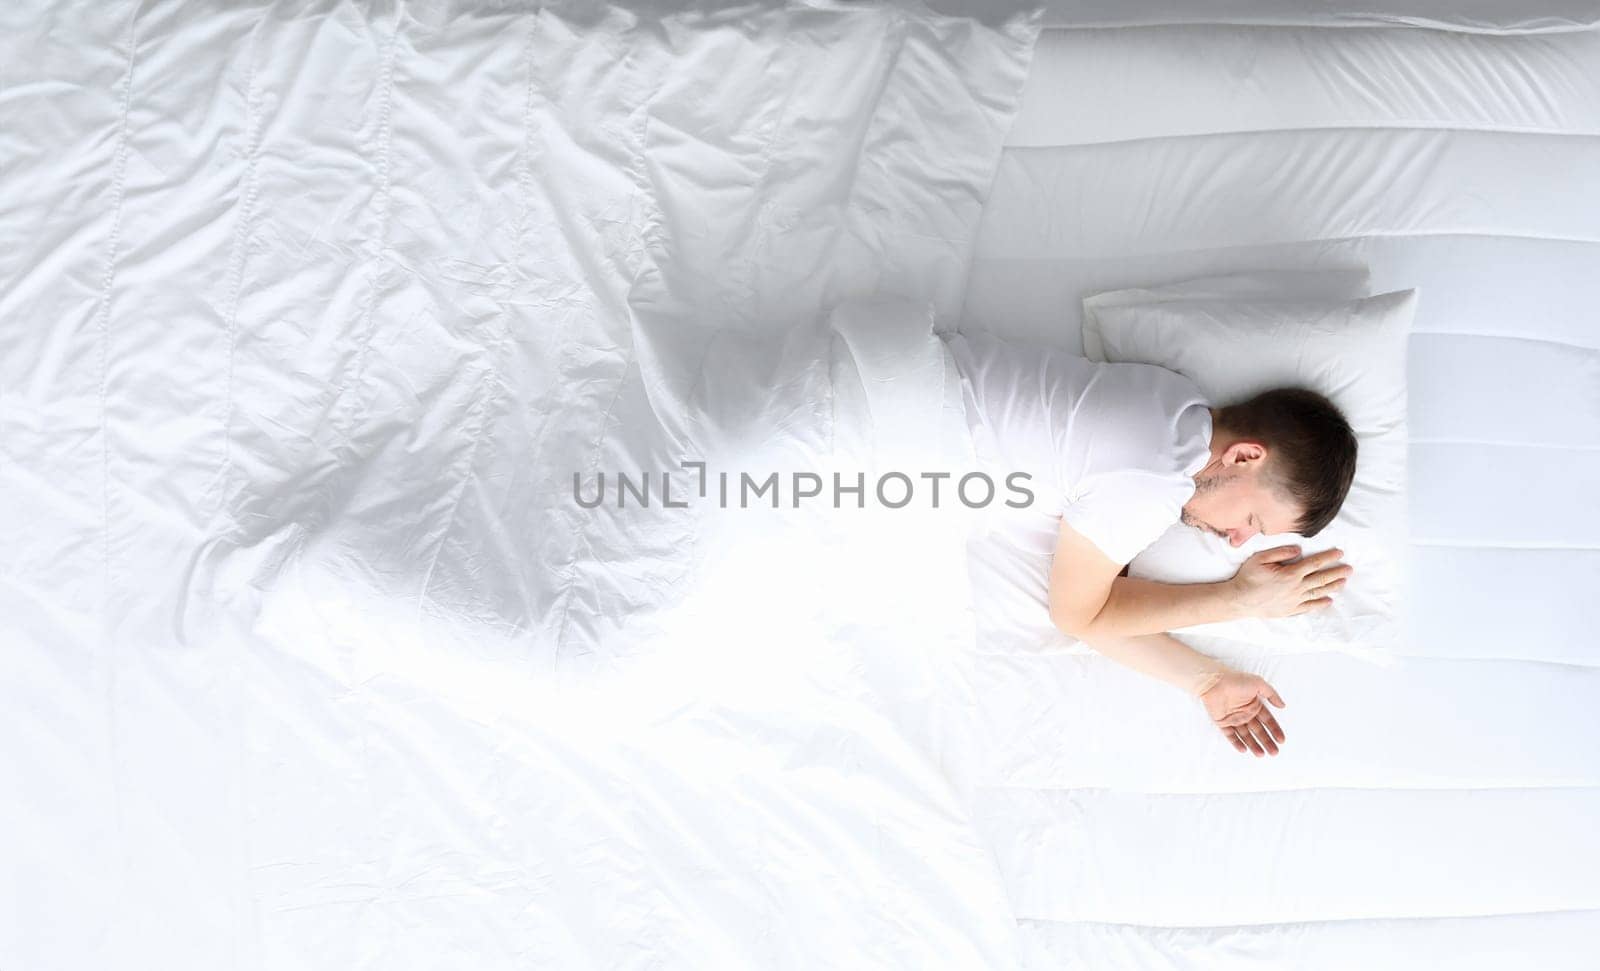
1435,813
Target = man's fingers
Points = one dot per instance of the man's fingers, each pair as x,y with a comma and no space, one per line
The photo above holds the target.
1322,589
1278,554
1252,727
1250,740
1259,729
1329,574
1319,561
1323,581
1320,603
1271,725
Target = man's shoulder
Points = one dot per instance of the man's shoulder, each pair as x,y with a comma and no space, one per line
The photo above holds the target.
1141,418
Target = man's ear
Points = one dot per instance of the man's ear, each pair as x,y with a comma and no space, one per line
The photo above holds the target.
1243,449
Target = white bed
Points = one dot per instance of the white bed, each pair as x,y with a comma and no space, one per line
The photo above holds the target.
308,311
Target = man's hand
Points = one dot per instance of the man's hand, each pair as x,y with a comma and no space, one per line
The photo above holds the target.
1236,703
1267,585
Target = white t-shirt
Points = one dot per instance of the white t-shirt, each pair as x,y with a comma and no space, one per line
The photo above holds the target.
1112,448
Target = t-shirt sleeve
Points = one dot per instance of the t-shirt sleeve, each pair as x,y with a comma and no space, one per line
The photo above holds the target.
1123,512
1148,431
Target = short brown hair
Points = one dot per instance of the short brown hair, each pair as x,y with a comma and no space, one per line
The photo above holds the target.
1311,449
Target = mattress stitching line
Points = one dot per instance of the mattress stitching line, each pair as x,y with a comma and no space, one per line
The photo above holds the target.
1271,925
1056,790
1077,257
1378,24
1586,349
1417,126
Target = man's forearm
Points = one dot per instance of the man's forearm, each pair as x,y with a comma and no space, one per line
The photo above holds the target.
1136,607
1164,658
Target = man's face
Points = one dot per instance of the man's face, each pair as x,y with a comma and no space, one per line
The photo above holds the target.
1233,501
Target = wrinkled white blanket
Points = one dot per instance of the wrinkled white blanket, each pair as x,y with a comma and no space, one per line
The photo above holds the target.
309,313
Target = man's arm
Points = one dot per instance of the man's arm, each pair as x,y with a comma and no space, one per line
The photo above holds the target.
1084,583
1089,600
1235,701
1098,606
1135,606
1164,658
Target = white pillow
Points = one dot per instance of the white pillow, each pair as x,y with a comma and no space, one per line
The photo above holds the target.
1353,351
1343,283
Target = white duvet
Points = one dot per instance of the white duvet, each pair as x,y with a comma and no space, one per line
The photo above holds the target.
309,314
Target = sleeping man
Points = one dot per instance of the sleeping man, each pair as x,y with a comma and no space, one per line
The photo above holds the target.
1117,454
